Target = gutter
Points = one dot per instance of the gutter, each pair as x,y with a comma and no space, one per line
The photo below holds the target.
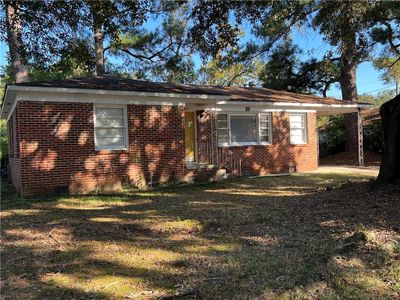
115,92
274,103
13,93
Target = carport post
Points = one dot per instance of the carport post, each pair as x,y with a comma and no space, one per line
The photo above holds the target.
360,139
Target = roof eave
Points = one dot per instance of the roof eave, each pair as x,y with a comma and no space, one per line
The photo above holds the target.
116,92
310,105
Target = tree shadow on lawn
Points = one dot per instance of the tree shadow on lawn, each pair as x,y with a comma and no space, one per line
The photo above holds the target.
240,239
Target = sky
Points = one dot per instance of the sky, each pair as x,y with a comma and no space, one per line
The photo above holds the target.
312,44
368,78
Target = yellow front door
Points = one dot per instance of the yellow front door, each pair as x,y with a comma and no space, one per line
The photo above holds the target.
190,147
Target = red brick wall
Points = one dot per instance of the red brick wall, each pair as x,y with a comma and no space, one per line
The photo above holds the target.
278,157
57,148
54,148
206,137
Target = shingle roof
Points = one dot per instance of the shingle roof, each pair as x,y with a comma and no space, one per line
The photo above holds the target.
370,116
236,93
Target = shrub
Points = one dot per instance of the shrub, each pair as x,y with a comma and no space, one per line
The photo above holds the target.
332,138
3,140
373,137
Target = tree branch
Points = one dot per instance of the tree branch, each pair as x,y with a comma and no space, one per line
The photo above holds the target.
395,62
144,57
391,37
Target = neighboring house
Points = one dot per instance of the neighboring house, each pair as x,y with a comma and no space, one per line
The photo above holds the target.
370,117
100,133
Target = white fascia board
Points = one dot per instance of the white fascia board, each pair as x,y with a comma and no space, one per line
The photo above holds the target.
44,94
319,107
115,92
265,108
9,104
272,103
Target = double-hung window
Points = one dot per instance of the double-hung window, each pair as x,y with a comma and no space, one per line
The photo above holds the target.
223,129
298,131
244,129
110,128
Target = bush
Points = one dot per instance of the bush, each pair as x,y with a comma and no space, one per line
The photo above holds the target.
373,137
3,140
332,138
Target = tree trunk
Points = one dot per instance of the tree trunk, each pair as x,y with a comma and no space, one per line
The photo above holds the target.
348,85
390,166
98,43
14,38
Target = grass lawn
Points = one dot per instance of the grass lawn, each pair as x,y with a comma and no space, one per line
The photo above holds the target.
304,236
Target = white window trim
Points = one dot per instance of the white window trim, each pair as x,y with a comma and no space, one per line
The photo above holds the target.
304,116
126,137
258,143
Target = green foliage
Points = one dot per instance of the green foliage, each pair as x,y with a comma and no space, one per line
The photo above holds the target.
332,135
285,71
390,66
351,27
3,139
163,54
48,25
373,137
226,71
378,99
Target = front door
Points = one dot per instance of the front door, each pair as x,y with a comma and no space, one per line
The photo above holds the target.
190,147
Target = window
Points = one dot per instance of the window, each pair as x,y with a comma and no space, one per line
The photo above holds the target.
298,134
244,129
223,131
265,128
110,128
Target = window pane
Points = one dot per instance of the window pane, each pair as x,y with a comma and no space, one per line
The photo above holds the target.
110,132
264,132
110,127
296,125
222,117
109,112
264,124
264,118
111,141
264,138
222,131
297,136
222,135
297,128
295,139
243,129
109,122
296,121
222,124
222,139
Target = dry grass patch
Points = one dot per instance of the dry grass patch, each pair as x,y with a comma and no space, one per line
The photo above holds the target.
304,236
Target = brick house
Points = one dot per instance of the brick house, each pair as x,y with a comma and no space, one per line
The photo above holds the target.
100,133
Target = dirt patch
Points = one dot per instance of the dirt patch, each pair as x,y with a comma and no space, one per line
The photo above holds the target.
350,159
